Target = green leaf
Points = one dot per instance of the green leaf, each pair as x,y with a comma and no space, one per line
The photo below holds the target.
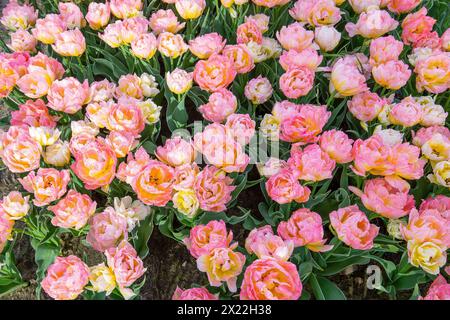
325,289
44,256
409,280
388,266
240,183
142,235
336,267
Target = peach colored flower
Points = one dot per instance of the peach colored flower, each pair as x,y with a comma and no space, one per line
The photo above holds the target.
171,45
425,134
22,40
406,113
98,15
129,85
112,34
261,20
297,82
241,57
144,46
82,127
126,115
393,74
213,189
179,81
17,61
241,127
374,156
47,185
6,228
366,106
73,211
131,28
337,145
264,244
316,13
125,263
98,112
221,104
41,63
440,203
123,9
68,95
347,78
269,3
47,28
33,113
15,205
307,58
107,230
185,176
433,73
415,25
324,13
295,36
190,9
372,24
66,278
327,38
215,73
304,228
387,196
128,170
283,187
16,16
71,14
439,290
305,125
95,164
8,79
206,45
176,152
271,167
407,161
271,279
402,6
353,227
18,151
248,32
427,226
311,164
285,109
34,84
432,114
384,49
122,142
101,91
203,238
193,294
70,43
221,149
222,265
445,39
154,184
165,21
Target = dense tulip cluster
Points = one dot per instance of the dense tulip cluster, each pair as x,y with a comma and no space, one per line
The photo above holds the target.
341,105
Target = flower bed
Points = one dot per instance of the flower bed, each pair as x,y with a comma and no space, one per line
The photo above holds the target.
280,143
